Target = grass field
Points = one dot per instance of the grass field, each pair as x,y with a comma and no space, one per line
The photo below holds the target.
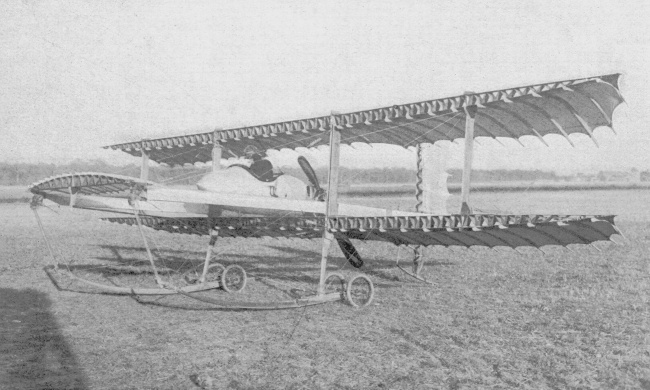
14,194
563,319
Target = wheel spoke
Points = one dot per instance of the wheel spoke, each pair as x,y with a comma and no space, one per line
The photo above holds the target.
233,278
334,283
360,291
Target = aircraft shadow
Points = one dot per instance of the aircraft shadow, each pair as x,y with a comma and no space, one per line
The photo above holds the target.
296,265
33,352
295,272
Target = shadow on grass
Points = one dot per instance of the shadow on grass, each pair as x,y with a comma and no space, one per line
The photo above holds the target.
291,269
33,352
294,271
292,256
294,265
24,199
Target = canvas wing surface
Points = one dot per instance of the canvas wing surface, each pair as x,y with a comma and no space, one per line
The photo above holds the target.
561,108
88,183
451,230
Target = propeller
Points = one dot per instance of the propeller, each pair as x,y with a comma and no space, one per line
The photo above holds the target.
311,176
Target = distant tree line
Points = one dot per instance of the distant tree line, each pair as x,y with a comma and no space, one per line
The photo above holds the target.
24,174
497,175
355,175
405,175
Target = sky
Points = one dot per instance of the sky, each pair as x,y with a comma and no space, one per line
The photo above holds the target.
79,75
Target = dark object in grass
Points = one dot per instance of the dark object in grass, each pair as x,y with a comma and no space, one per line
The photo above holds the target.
350,252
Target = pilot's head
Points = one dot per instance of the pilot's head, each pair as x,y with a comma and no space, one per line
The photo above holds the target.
253,153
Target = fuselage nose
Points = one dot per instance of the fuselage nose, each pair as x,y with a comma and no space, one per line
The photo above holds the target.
237,180
234,180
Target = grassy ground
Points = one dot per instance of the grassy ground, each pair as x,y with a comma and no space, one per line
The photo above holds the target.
492,319
13,194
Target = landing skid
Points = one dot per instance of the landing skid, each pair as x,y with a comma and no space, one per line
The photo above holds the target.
354,292
358,291
268,305
54,273
414,276
417,266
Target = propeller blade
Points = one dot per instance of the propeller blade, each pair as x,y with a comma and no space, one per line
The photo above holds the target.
309,172
349,251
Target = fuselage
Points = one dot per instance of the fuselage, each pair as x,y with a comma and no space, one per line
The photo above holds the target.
225,192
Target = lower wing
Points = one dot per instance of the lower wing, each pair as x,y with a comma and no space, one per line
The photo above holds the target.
449,230
190,211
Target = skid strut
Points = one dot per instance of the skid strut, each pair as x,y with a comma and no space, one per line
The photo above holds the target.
358,291
214,235
417,265
418,261
37,200
133,201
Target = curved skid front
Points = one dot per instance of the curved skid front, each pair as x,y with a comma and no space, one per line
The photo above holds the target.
269,305
414,276
117,290
187,291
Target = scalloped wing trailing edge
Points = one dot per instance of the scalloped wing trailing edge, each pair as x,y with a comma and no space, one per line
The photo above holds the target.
562,108
450,230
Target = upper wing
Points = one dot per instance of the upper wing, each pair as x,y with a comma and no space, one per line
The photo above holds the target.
563,107
451,230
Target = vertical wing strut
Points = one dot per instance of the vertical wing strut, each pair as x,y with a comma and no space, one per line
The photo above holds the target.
470,117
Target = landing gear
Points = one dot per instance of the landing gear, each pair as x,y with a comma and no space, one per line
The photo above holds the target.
233,279
195,282
215,271
418,264
335,283
359,291
213,274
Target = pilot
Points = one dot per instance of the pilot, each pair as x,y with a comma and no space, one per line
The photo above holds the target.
261,168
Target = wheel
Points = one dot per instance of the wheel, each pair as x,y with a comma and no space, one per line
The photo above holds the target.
215,270
359,291
233,278
335,283
212,275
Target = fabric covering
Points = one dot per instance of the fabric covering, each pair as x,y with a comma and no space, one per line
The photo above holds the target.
562,108
450,230
88,183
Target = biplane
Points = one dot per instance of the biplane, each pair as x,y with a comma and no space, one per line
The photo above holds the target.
241,201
